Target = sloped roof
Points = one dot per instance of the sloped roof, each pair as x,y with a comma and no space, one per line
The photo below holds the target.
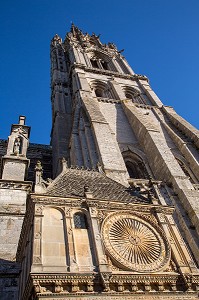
72,181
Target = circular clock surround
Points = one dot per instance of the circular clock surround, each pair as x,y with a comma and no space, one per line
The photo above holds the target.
134,243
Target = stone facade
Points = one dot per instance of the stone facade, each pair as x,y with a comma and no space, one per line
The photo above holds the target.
119,217
13,195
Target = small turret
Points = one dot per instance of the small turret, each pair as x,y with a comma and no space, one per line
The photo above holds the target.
15,162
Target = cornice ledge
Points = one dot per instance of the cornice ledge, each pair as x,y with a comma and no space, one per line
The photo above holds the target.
16,185
100,203
110,73
66,276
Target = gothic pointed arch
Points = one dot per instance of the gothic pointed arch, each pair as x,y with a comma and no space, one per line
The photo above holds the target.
83,241
135,165
53,233
134,95
101,89
100,60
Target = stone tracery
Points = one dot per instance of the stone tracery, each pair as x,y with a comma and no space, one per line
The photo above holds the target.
134,243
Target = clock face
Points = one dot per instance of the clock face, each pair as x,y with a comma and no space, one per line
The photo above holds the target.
134,244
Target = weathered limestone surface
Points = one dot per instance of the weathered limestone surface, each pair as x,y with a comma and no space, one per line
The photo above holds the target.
119,218
182,124
12,211
163,163
140,126
126,297
13,195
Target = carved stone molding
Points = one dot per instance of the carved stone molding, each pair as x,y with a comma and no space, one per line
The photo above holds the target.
37,260
8,209
107,100
25,186
134,244
108,72
121,285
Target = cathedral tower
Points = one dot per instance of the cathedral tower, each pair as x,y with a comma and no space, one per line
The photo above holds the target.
104,113
119,219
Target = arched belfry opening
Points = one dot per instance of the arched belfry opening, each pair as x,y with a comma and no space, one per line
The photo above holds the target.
100,61
101,89
134,95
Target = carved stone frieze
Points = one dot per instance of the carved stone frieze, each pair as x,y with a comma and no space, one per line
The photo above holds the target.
102,215
38,235
148,217
116,74
93,212
39,210
103,204
107,100
67,211
75,284
12,209
163,209
37,260
4,184
172,267
105,276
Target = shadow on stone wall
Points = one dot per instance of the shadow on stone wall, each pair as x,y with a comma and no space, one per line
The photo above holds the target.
9,279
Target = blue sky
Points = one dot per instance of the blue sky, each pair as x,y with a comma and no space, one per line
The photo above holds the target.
160,38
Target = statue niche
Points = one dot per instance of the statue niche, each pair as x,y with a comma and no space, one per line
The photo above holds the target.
17,147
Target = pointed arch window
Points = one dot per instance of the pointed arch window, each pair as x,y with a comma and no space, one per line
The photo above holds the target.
134,95
100,61
135,166
136,170
102,89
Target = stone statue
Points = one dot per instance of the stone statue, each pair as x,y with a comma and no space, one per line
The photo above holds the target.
17,146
